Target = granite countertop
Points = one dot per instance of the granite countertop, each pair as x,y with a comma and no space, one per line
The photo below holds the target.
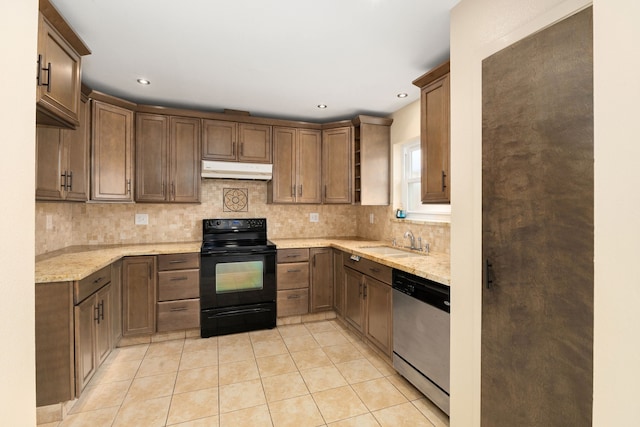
77,262
434,266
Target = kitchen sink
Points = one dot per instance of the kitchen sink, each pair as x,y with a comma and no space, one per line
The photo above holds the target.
388,251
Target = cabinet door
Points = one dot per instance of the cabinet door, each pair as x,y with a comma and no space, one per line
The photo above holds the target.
138,295
49,167
321,279
378,327
434,146
309,166
58,91
255,143
282,188
103,324
354,307
77,145
374,164
184,160
116,302
152,134
338,282
112,153
336,165
219,140
86,315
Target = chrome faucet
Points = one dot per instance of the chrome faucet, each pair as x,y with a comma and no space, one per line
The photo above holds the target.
409,234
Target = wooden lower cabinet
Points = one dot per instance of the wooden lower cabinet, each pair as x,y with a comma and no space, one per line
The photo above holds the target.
354,303
178,304
54,343
321,260
338,282
93,332
116,302
378,320
139,295
368,304
293,282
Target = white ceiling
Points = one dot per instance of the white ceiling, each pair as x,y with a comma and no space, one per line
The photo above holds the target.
277,58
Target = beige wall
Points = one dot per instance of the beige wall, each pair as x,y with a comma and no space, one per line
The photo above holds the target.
478,29
18,20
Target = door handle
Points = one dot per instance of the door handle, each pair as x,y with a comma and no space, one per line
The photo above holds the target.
488,281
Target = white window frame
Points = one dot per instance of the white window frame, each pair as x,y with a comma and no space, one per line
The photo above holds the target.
423,212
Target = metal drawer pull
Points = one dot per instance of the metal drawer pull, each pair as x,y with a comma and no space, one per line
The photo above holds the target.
176,279
293,256
293,296
294,271
178,261
98,280
375,270
178,309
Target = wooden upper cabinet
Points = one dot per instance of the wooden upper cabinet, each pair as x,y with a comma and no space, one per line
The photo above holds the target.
219,140
62,160
296,166
236,142
336,165
111,153
435,134
167,158
371,165
184,159
58,70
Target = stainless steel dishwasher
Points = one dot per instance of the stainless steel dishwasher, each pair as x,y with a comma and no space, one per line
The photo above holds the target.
421,335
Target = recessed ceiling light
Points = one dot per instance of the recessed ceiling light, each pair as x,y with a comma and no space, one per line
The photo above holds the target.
322,106
144,82
402,95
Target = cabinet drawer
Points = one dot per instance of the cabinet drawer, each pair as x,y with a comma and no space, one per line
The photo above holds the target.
370,268
179,284
293,275
175,315
87,286
293,302
178,261
293,255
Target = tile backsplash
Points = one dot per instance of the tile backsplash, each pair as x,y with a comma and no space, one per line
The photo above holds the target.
64,224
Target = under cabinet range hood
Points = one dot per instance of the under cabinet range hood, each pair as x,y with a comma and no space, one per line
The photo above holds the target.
236,170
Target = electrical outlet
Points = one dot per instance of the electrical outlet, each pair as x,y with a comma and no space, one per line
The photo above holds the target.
314,217
371,218
142,219
49,222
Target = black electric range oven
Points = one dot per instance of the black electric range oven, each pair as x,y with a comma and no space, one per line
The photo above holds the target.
237,277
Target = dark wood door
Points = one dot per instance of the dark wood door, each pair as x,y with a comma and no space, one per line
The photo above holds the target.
353,302
111,153
338,282
321,260
184,160
434,145
49,163
282,188
378,302
77,142
152,139
537,229
255,143
86,314
104,325
336,165
309,170
219,140
138,295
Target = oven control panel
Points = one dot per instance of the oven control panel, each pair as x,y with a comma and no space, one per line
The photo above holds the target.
240,224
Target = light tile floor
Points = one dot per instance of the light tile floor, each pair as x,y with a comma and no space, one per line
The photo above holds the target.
312,374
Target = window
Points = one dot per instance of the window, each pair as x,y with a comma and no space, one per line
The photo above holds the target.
411,198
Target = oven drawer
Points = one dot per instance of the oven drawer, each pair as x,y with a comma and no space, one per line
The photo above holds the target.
178,261
293,275
176,315
293,302
293,255
179,284
370,268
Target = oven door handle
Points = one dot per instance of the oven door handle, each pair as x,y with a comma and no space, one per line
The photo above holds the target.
237,312
245,252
